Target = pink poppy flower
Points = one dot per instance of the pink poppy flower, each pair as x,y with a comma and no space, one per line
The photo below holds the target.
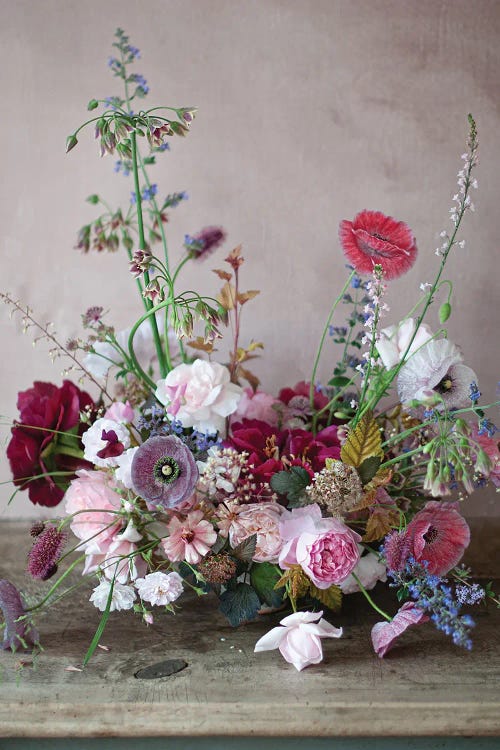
298,638
373,238
385,633
190,539
437,535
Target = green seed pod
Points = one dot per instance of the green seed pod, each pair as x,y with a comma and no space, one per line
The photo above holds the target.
93,199
444,312
93,104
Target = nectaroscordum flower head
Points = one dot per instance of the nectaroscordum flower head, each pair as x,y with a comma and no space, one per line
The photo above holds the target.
164,472
45,553
373,238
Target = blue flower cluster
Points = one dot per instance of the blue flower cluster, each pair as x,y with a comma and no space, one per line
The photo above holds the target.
472,594
124,167
433,595
474,392
173,199
486,427
154,422
148,193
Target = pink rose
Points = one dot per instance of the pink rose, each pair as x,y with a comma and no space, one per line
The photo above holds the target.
385,633
261,519
93,491
199,395
257,405
299,638
120,412
325,548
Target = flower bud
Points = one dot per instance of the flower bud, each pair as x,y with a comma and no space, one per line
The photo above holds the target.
93,199
93,104
444,312
71,142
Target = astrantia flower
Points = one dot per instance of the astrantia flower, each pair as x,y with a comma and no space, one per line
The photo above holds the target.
45,553
160,588
385,633
438,536
17,633
190,539
123,596
298,638
436,372
394,340
373,238
199,395
164,472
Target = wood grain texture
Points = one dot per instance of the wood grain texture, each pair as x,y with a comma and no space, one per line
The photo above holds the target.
424,687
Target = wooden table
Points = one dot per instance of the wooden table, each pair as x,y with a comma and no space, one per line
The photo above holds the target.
425,687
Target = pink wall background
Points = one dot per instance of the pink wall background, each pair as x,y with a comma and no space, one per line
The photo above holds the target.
308,112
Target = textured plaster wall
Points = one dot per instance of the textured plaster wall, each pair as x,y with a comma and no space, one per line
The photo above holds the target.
309,112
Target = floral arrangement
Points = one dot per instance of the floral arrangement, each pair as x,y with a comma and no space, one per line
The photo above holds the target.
174,477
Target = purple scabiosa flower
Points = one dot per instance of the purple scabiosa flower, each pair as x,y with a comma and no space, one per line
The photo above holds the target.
45,553
200,245
18,634
164,472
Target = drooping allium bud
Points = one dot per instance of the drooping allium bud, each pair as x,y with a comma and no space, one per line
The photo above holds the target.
154,292
187,114
157,131
71,142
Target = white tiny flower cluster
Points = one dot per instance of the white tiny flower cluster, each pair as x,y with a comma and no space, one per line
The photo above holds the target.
461,200
158,588
375,310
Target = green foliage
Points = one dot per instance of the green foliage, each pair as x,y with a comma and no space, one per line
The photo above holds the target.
369,468
245,549
291,483
264,577
239,604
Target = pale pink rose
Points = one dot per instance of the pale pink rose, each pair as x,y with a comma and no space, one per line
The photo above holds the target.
369,570
325,548
199,395
299,638
123,597
120,412
95,492
257,405
394,340
189,539
104,441
261,519
385,633
160,588
116,556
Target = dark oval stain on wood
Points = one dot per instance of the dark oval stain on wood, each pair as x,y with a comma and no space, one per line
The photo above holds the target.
161,669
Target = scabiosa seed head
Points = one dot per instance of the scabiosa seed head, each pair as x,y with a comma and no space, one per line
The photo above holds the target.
218,568
46,551
164,472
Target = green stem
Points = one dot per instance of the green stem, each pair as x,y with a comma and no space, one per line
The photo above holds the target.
400,458
57,584
369,599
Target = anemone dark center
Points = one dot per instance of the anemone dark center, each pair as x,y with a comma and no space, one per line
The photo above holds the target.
444,385
167,470
431,535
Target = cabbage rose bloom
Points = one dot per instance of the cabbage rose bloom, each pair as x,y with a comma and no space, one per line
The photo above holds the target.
299,638
199,395
325,548
373,238
93,491
189,539
394,340
261,519
385,633
160,588
436,372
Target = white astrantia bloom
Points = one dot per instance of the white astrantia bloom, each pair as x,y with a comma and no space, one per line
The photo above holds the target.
123,596
369,570
160,588
394,340
436,373
94,442
124,467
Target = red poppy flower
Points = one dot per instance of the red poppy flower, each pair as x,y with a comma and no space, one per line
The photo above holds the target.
35,451
373,238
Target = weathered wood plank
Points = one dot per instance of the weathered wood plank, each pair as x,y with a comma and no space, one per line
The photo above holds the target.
425,687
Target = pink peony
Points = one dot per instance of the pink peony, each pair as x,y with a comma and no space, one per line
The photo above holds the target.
299,638
385,633
373,238
199,395
189,539
261,519
394,340
257,405
325,548
437,535
94,492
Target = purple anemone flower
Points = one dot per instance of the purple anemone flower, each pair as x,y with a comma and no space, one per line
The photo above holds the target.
164,472
18,634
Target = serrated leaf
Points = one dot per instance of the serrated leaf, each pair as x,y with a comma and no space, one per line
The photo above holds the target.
245,549
331,597
227,296
297,580
264,577
364,441
224,275
380,523
246,296
240,604
368,469
291,483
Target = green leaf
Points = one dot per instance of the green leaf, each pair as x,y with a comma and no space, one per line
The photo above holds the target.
339,381
264,577
369,468
245,549
240,604
331,597
100,627
291,483
149,160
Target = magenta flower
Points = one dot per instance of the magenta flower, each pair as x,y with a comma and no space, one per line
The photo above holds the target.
190,539
437,535
164,472
45,553
373,238
385,633
18,634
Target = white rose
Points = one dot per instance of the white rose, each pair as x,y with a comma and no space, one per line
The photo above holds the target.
123,597
369,570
